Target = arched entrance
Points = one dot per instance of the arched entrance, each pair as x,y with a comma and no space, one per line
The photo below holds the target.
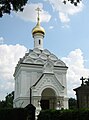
48,99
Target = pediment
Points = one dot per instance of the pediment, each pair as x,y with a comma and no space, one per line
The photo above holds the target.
53,57
48,81
43,56
33,55
59,63
36,50
46,52
48,67
28,60
39,61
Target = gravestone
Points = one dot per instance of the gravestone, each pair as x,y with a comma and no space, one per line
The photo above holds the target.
31,112
82,94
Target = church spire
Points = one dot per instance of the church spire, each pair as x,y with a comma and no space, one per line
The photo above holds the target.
38,32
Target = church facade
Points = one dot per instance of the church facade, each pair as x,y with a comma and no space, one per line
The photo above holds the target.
40,77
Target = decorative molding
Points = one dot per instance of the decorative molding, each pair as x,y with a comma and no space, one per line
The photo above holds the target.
43,56
48,67
46,52
37,51
47,80
59,63
39,61
28,60
33,55
53,57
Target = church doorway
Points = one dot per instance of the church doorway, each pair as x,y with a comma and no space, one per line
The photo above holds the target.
44,104
48,99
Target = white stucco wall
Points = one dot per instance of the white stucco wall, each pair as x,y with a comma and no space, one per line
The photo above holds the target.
41,73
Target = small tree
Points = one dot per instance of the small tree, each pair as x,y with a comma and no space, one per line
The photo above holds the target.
8,102
2,104
72,103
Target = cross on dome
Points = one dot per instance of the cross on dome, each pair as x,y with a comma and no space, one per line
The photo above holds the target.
38,28
38,10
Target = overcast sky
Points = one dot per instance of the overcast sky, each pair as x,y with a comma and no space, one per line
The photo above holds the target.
67,35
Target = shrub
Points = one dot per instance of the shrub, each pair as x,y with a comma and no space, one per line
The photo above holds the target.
13,114
76,114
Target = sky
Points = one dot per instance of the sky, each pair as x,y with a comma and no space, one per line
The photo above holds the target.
67,35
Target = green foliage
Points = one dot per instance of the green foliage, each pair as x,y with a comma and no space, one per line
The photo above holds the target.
13,114
76,114
7,5
2,104
8,102
72,103
74,2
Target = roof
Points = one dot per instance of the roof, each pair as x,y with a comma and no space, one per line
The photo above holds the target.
82,88
37,56
40,58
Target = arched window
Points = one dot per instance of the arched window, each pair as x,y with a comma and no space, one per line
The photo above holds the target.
39,42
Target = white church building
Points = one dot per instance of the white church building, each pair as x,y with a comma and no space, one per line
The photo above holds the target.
40,77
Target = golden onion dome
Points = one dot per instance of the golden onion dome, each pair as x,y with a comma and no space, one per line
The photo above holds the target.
38,29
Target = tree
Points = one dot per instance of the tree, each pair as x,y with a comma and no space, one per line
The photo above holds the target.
75,2
6,6
72,103
8,102
2,104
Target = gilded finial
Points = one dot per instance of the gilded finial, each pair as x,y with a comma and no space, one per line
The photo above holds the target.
38,17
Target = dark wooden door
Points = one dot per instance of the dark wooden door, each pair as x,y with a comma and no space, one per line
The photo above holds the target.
44,104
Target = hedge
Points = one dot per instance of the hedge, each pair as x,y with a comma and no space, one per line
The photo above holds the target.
82,114
21,114
13,114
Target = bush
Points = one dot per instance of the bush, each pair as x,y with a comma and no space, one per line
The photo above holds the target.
13,114
76,114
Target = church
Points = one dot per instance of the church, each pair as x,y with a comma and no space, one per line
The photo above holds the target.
40,77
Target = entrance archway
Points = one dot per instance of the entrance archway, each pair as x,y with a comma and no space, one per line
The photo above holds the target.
48,99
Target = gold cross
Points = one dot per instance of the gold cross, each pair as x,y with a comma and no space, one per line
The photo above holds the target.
38,10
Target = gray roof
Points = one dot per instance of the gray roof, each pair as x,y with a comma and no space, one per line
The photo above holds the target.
37,56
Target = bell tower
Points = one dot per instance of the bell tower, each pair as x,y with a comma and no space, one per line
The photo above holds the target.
38,33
